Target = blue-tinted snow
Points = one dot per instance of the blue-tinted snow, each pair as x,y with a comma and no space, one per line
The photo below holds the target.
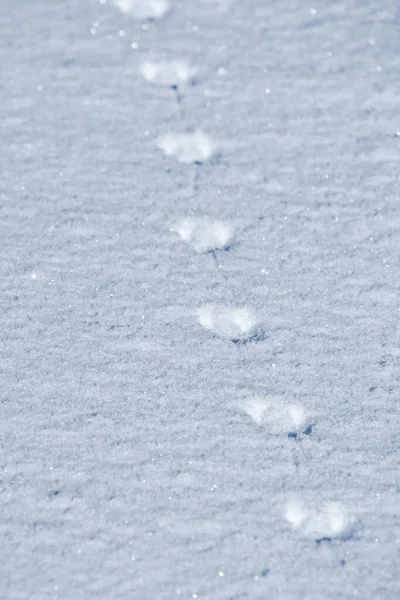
142,456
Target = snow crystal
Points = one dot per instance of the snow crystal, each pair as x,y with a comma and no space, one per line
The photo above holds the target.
328,521
170,73
143,9
187,147
276,413
236,324
205,234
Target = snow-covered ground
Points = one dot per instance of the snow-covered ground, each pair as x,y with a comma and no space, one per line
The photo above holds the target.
199,282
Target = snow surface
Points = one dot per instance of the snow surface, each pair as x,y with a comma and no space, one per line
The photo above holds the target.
144,455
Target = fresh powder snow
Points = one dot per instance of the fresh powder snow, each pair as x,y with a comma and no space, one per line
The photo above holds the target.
199,290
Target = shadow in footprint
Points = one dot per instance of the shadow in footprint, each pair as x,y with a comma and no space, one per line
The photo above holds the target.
258,336
344,537
296,434
323,540
214,251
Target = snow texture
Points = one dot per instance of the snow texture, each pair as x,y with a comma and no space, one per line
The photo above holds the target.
167,73
162,400
205,234
195,147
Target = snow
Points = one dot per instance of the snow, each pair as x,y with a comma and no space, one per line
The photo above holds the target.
234,323
180,404
205,234
167,73
188,148
143,9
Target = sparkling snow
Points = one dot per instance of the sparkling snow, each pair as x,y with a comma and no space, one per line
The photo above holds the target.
210,412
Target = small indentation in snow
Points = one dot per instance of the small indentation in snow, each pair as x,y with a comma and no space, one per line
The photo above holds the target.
143,9
240,325
195,147
205,234
170,73
329,521
275,413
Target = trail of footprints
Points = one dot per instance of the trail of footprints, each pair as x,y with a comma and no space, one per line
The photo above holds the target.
239,325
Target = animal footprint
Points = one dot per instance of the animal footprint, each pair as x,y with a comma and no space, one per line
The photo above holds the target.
240,325
204,234
167,73
276,414
143,9
187,148
329,521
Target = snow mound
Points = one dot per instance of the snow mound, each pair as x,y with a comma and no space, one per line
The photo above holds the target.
331,520
236,324
276,414
187,147
205,234
143,9
170,73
